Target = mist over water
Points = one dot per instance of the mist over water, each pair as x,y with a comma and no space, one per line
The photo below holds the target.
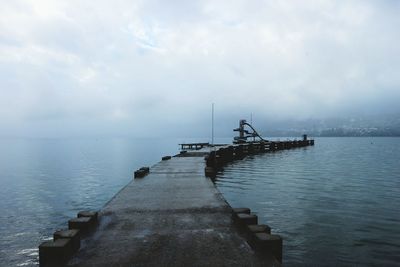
337,203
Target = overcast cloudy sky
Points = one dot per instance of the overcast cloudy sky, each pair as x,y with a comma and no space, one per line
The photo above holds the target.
79,67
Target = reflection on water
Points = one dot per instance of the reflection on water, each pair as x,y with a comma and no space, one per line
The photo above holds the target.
337,203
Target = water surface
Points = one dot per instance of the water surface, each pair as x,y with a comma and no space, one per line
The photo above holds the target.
45,182
337,203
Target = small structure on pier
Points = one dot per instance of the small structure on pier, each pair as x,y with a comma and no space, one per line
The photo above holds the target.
244,134
195,146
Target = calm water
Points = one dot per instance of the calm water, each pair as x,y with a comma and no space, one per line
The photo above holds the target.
337,203
45,182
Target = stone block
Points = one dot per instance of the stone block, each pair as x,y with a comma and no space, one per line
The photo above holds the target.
73,235
166,158
265,244
209,172
241,210
259,228
247,219
83,223
272,146
139,173
146,169
236,211
244,219
87,213
55,253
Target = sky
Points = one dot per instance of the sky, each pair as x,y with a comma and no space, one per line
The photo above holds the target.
154,68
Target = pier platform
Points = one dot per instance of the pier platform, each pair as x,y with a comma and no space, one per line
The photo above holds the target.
174,216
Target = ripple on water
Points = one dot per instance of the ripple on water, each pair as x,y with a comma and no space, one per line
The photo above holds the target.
337,203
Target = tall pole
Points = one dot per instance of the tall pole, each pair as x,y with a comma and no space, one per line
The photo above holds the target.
251,123
212,124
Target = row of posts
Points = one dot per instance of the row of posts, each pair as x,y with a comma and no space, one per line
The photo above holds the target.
215,160
66,242
258,236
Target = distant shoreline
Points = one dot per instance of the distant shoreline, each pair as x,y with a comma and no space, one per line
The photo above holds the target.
319,135
334,133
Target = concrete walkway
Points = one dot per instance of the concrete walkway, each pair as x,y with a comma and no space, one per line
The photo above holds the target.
173,217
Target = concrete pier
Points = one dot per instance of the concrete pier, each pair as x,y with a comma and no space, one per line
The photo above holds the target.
174,216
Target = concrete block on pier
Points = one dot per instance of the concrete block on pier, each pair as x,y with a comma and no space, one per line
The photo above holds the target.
83,223
215,160
263,147
285,145
237,211
245,149
91,214
140,173
250,149
210,172
253,229
146,169
225,155
73,235
256,147
266,244
280,145
219,161
55,253
259,228
244,219
239,152
229,154
272,146
241,210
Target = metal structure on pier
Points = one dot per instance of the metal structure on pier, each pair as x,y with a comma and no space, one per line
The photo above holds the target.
244,134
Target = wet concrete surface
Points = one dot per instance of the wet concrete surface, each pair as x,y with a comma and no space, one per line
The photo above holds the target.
174,216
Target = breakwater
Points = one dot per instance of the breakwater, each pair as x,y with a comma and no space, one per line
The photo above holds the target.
219,157
172,215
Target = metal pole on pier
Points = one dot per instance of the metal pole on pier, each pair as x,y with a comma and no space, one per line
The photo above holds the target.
212,124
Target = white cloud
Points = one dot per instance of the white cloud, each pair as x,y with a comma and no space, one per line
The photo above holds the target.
165,62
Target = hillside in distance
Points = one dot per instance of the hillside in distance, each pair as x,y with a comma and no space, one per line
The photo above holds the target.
378,125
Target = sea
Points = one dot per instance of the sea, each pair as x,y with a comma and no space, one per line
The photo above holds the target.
334,204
